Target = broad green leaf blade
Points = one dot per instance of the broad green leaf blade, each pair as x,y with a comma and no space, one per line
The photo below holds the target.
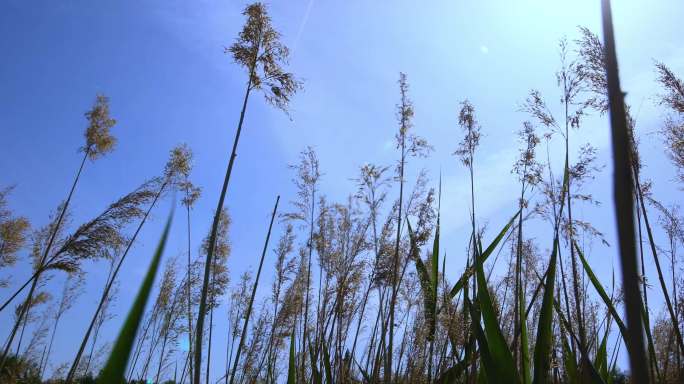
601,362
482,377
434,278
488,362
427,286
114,370
570,362
316,375
484,255
542,349
326,364
505,370
591,372
602,293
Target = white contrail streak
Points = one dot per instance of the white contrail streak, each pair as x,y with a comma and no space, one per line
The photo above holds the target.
302,24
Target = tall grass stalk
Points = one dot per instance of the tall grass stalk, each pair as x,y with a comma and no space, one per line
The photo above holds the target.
243,335
260,52
624,204
409,145
192,193
176,167
98,142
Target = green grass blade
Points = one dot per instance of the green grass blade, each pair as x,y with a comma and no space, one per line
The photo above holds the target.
505,370
326,364
427,284
602,293
484,255
488,362
542,349
113,371
591,373
470,344
434,278
482,377
543,345
601,361
570,362
316,375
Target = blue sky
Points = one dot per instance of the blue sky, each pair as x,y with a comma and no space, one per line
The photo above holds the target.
163,66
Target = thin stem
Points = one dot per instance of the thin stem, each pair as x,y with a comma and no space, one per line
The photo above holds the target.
41,264
212,239
251,299
110,283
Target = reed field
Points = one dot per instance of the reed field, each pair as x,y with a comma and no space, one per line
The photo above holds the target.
357,290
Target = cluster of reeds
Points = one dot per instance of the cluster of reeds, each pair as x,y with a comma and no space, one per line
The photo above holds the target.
360,290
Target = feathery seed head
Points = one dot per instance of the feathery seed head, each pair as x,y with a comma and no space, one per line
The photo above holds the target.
99,141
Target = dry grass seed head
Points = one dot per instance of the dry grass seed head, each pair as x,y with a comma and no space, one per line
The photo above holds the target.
411,143
527,167
179,165
13,232
101,237
258,49
191,193
469,125
99,140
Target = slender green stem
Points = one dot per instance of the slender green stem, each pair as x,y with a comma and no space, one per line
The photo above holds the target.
243,335
212,242
41,264
110,283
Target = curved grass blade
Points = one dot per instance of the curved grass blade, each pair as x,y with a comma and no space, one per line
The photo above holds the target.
428,282
113,371
435,249
602,293
592,374
504,370
524,341
542,349
484,255
570,362
315,374
326,364
611,308
488,362
601,360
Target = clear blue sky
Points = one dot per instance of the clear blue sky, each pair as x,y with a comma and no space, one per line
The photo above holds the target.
162,64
